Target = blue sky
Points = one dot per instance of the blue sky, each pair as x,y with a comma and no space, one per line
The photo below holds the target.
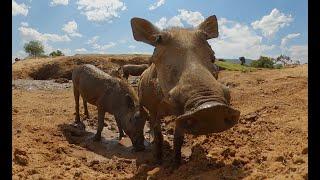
247,28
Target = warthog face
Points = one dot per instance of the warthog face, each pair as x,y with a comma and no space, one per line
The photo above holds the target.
183,60
134,128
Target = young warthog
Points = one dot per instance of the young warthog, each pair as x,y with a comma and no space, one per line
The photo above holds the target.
182,60
133,69
112,95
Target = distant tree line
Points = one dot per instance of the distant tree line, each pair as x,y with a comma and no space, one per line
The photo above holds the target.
268,62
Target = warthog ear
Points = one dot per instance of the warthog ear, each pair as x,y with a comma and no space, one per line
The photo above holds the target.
144,31
210,27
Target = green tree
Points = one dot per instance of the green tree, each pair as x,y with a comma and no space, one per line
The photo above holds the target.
56,53
284,59
242,60
34,48
263,62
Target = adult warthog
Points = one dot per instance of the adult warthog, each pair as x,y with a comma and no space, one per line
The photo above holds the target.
112,95
182,66
133,69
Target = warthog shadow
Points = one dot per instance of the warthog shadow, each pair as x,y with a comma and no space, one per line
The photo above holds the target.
199,166
107,147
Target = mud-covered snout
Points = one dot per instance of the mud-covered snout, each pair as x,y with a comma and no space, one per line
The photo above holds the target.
210,117
137,123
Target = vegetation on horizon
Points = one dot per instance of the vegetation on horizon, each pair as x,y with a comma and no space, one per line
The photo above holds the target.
34,48
234,67
56,53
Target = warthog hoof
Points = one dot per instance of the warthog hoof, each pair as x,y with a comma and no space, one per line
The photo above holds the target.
139,148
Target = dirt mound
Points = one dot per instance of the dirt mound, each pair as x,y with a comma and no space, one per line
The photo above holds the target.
269,142
61,67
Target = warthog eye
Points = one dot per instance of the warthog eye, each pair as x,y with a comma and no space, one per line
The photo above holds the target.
158,38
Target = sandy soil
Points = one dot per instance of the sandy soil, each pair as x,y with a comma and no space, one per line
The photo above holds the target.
270,141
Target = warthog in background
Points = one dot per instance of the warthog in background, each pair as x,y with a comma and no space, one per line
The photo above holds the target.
112,95
133,69
182,61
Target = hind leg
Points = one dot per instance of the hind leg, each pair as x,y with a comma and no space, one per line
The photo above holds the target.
76,99
86,112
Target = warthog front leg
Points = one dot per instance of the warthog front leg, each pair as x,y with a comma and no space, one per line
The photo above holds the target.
158,138
177,144
120,128
101,113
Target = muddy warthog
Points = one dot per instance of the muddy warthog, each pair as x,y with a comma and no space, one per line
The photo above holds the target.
151,97
133,69
182,61
112,95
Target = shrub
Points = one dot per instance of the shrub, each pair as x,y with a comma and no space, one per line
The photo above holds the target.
263,62
56,53
242,60
278,66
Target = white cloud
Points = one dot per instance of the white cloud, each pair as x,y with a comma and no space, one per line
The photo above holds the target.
122,41
80,50
28,33
101,10
24,24
141,52
103,47
172,22
99,48
156,4
71,28
93,40
59,2
287,38
192,18
18,9
132,47
237,40
299,52
66,51
270,24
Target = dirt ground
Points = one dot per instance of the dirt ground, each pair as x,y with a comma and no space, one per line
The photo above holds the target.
270,141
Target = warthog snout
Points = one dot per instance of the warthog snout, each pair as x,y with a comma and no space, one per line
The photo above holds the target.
135,130
210,117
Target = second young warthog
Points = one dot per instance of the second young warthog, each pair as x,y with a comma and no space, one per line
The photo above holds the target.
133,69
112,95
